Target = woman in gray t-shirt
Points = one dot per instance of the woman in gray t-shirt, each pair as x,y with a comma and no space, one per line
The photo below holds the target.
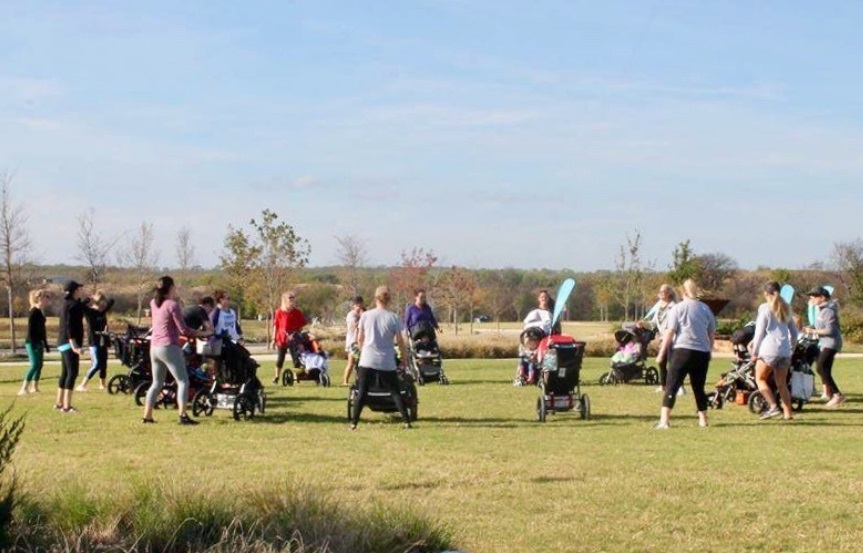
687,343
378,330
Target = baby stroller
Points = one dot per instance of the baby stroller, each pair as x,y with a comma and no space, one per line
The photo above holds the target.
236,386
560,360
380,400
801,379
425,361
630,361
741,378
198,380
133,351
310,361
528,351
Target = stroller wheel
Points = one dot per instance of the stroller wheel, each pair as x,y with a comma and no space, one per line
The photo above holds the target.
287,377
651,376
119,384
585,407
757,403
202,404
140,395
714,400
798,405
607,379
541,409
324,380
244,409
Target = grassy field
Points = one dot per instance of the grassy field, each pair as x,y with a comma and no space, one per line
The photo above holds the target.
479,463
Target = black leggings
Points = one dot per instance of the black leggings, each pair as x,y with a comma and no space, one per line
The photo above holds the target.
281,352
825,369
390,379
687,362
663,372
70,361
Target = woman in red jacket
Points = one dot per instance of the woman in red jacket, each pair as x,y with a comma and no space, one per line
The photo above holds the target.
287,320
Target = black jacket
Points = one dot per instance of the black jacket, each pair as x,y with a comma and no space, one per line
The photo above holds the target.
72,322
97,322
36,334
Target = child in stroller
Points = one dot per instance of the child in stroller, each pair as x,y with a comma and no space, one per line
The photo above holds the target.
630,360
528,351
741,378
312,363
425,361
235,387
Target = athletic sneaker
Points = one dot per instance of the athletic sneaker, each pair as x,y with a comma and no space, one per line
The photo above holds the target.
275,381
681,391
662,426
774,411
186,421
824,398
702,424
835,401
659,390
58,407
70,410
81,388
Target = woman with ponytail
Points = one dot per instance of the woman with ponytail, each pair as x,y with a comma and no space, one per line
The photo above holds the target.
772,347
165,351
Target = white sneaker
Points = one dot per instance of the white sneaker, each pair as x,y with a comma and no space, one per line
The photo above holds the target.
659,390
835,401
662,426
81,388
681,391
824,398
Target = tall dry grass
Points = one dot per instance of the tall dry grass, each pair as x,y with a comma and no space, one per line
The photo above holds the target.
160,516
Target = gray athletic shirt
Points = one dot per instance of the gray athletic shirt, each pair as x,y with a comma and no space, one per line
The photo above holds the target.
693,324
773,338
828,319
380,328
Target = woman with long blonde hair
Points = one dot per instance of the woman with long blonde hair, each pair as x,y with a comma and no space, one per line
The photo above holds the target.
687,344
772,347
36,342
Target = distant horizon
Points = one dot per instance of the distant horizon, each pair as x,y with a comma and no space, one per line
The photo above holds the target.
495,134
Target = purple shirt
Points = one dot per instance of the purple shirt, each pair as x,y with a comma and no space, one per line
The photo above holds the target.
168,324
415,315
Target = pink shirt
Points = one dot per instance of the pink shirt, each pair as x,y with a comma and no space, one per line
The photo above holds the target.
168,324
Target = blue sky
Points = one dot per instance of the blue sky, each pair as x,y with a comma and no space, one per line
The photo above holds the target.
527,134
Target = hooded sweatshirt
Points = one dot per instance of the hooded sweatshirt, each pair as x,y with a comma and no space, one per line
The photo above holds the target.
828,319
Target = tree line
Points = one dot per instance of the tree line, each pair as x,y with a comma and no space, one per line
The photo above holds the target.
266,256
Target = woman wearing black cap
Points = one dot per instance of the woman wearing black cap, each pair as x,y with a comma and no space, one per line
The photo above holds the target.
829,333
69,345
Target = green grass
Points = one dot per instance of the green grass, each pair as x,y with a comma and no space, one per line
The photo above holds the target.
479,464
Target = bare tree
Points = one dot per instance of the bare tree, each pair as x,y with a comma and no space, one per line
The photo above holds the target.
14,245
630,272
142,257
848,260
185,250
351,253
185,253
93,249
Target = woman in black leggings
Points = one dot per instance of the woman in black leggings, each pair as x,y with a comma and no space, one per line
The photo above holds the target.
687,343
69,345
829,332
378,329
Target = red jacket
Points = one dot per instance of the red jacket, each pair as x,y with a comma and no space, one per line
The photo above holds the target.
287,322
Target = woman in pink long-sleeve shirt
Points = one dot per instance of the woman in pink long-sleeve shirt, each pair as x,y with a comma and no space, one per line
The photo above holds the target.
165,351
